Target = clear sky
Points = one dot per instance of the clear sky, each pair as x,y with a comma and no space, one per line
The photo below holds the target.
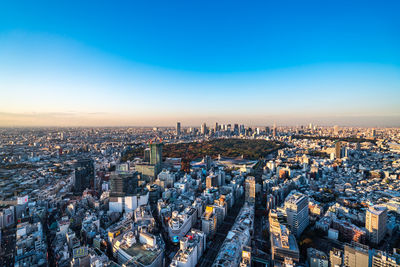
138,63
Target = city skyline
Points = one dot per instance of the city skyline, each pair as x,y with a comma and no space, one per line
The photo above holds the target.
136,64
200,133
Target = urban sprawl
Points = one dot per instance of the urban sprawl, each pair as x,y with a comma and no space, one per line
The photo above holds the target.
315,196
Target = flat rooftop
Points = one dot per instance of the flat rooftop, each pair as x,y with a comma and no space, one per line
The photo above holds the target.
141,254
377,210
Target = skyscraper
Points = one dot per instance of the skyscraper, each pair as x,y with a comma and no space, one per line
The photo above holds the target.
375,222
178,128
203,129
241,128
296,206
84,175
156,155
152,164
274,130
236,128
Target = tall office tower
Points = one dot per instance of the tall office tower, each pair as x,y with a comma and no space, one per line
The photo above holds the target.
336,257
250,189
241,129
203,129
216,127
356,255
228,127
296,206
375,222
207,161
236,128
267,130
84,175
156,153
338,150
178,128
123,183
274,130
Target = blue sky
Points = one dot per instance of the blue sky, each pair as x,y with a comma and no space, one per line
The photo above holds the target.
157,62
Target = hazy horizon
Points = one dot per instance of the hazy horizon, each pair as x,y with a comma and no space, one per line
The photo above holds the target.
63,120
140,64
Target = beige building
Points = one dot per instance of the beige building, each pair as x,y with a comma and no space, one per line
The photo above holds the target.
375,222
356,255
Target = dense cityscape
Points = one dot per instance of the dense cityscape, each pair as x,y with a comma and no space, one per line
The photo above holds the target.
313,196
200,133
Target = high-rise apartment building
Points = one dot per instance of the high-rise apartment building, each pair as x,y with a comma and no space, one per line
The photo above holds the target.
296,206
375,223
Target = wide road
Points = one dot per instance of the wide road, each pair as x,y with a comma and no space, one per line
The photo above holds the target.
215,244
